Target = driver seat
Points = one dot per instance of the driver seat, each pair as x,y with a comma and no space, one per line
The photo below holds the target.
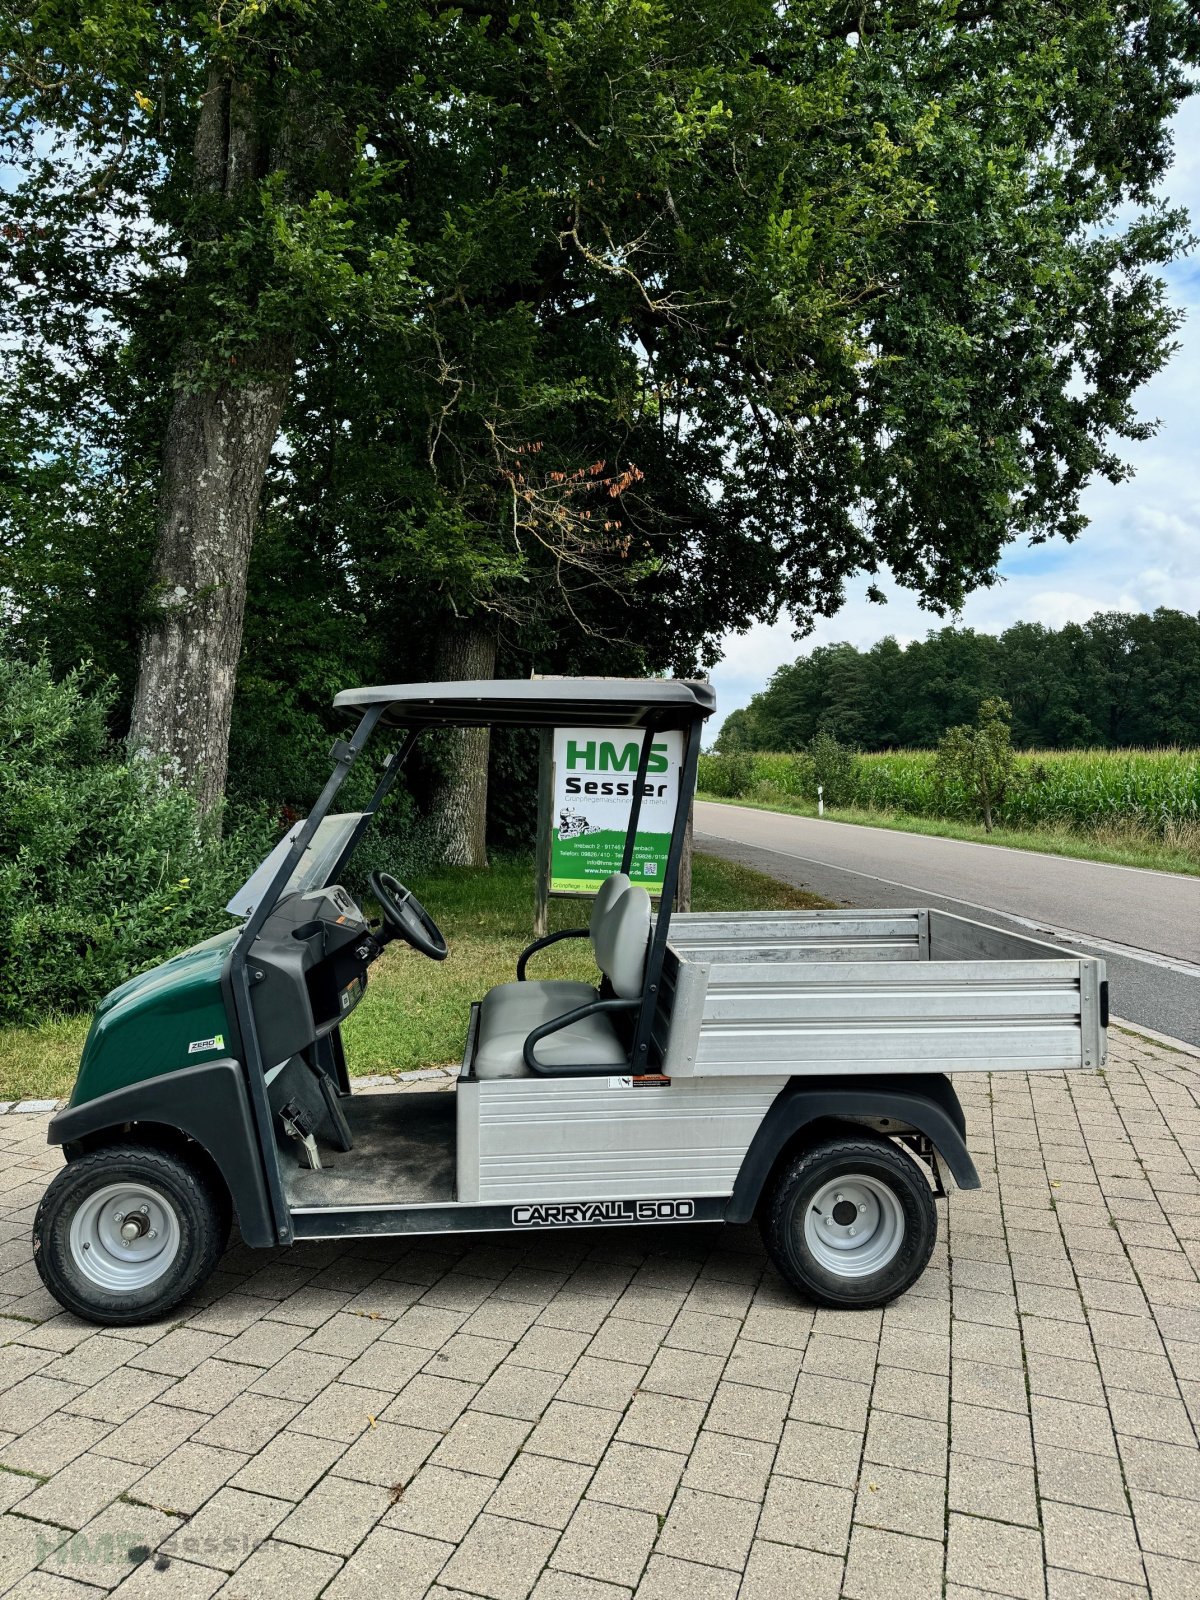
557,995
620,936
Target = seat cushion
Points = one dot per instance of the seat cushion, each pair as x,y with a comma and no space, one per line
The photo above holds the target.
511,1011
552,996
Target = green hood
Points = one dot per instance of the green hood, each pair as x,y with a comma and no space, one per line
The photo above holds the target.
170,1017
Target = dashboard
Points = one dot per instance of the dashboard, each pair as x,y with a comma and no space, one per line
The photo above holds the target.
308,969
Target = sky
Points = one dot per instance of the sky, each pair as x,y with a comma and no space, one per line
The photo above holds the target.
1141,550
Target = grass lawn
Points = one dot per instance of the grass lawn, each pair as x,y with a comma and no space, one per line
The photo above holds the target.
1111,846
415,1013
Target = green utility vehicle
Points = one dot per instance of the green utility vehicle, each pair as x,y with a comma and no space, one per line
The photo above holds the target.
780,1066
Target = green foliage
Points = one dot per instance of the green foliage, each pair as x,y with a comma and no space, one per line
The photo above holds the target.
737,773
845,279
728,776
1119,679
978,761
1154,791
832,766
736,733
633,356
104,870
191,200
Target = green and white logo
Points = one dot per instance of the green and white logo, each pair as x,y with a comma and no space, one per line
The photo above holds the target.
199,1046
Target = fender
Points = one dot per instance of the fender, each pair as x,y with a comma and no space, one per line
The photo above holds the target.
209,1104
925,1101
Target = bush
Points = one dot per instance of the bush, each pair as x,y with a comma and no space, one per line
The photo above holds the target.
104,870
979,762
727,776
736,774
400,842
833,766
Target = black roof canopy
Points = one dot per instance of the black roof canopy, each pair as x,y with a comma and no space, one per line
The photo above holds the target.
538,702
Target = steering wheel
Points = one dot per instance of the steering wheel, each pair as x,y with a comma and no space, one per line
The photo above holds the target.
406,918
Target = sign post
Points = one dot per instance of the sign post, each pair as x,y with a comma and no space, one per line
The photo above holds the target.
541,879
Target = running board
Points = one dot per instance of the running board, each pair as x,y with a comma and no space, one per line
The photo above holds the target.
349,1222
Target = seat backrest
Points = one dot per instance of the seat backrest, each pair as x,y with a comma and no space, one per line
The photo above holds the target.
607,895
622,941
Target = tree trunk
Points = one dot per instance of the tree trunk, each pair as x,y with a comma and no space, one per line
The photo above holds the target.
985,802
465,651
217,446
218,442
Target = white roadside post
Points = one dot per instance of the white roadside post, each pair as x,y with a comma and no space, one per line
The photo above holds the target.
820,800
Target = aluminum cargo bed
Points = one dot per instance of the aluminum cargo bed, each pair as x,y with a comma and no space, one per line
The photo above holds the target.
850,992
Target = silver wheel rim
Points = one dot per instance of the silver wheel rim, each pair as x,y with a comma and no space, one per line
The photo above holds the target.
854,1225
124,1237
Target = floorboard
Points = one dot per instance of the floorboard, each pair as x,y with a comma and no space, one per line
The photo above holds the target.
404,1149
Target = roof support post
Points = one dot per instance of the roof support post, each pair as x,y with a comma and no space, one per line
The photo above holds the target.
640,1054
344,756
635,809
383,788
236,978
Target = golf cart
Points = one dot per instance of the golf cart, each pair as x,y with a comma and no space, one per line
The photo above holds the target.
784,1066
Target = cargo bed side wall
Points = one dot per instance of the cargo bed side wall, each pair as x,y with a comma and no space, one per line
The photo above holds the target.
800,936
954,938
876,992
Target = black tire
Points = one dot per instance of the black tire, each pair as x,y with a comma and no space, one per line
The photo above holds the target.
905,1226
193,1216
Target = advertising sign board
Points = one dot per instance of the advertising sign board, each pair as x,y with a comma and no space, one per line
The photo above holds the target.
594,772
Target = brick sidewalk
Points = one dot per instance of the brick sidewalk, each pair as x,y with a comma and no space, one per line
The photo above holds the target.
590,1415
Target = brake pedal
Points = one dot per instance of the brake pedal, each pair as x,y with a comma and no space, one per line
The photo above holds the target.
299,1125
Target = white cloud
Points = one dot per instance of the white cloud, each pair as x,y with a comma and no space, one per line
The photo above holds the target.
1141,550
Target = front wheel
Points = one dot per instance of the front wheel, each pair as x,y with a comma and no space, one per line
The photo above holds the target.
125,1233
851,1222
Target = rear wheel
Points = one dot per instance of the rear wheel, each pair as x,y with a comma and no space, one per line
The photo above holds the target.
125,1233
851,1222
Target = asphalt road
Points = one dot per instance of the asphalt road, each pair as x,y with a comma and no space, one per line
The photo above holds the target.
1146,925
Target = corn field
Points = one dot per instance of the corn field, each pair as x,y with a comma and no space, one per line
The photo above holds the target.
1156,792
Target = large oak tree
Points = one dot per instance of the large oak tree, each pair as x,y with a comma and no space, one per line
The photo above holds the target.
614,320
195,207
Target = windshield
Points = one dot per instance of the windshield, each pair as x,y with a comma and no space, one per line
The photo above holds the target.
313,869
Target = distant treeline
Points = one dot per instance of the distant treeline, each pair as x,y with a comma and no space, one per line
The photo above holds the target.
1118,679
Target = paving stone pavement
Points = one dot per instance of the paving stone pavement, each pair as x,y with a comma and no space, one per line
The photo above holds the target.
595,1415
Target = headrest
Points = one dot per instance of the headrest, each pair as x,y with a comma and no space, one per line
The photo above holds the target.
622,940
